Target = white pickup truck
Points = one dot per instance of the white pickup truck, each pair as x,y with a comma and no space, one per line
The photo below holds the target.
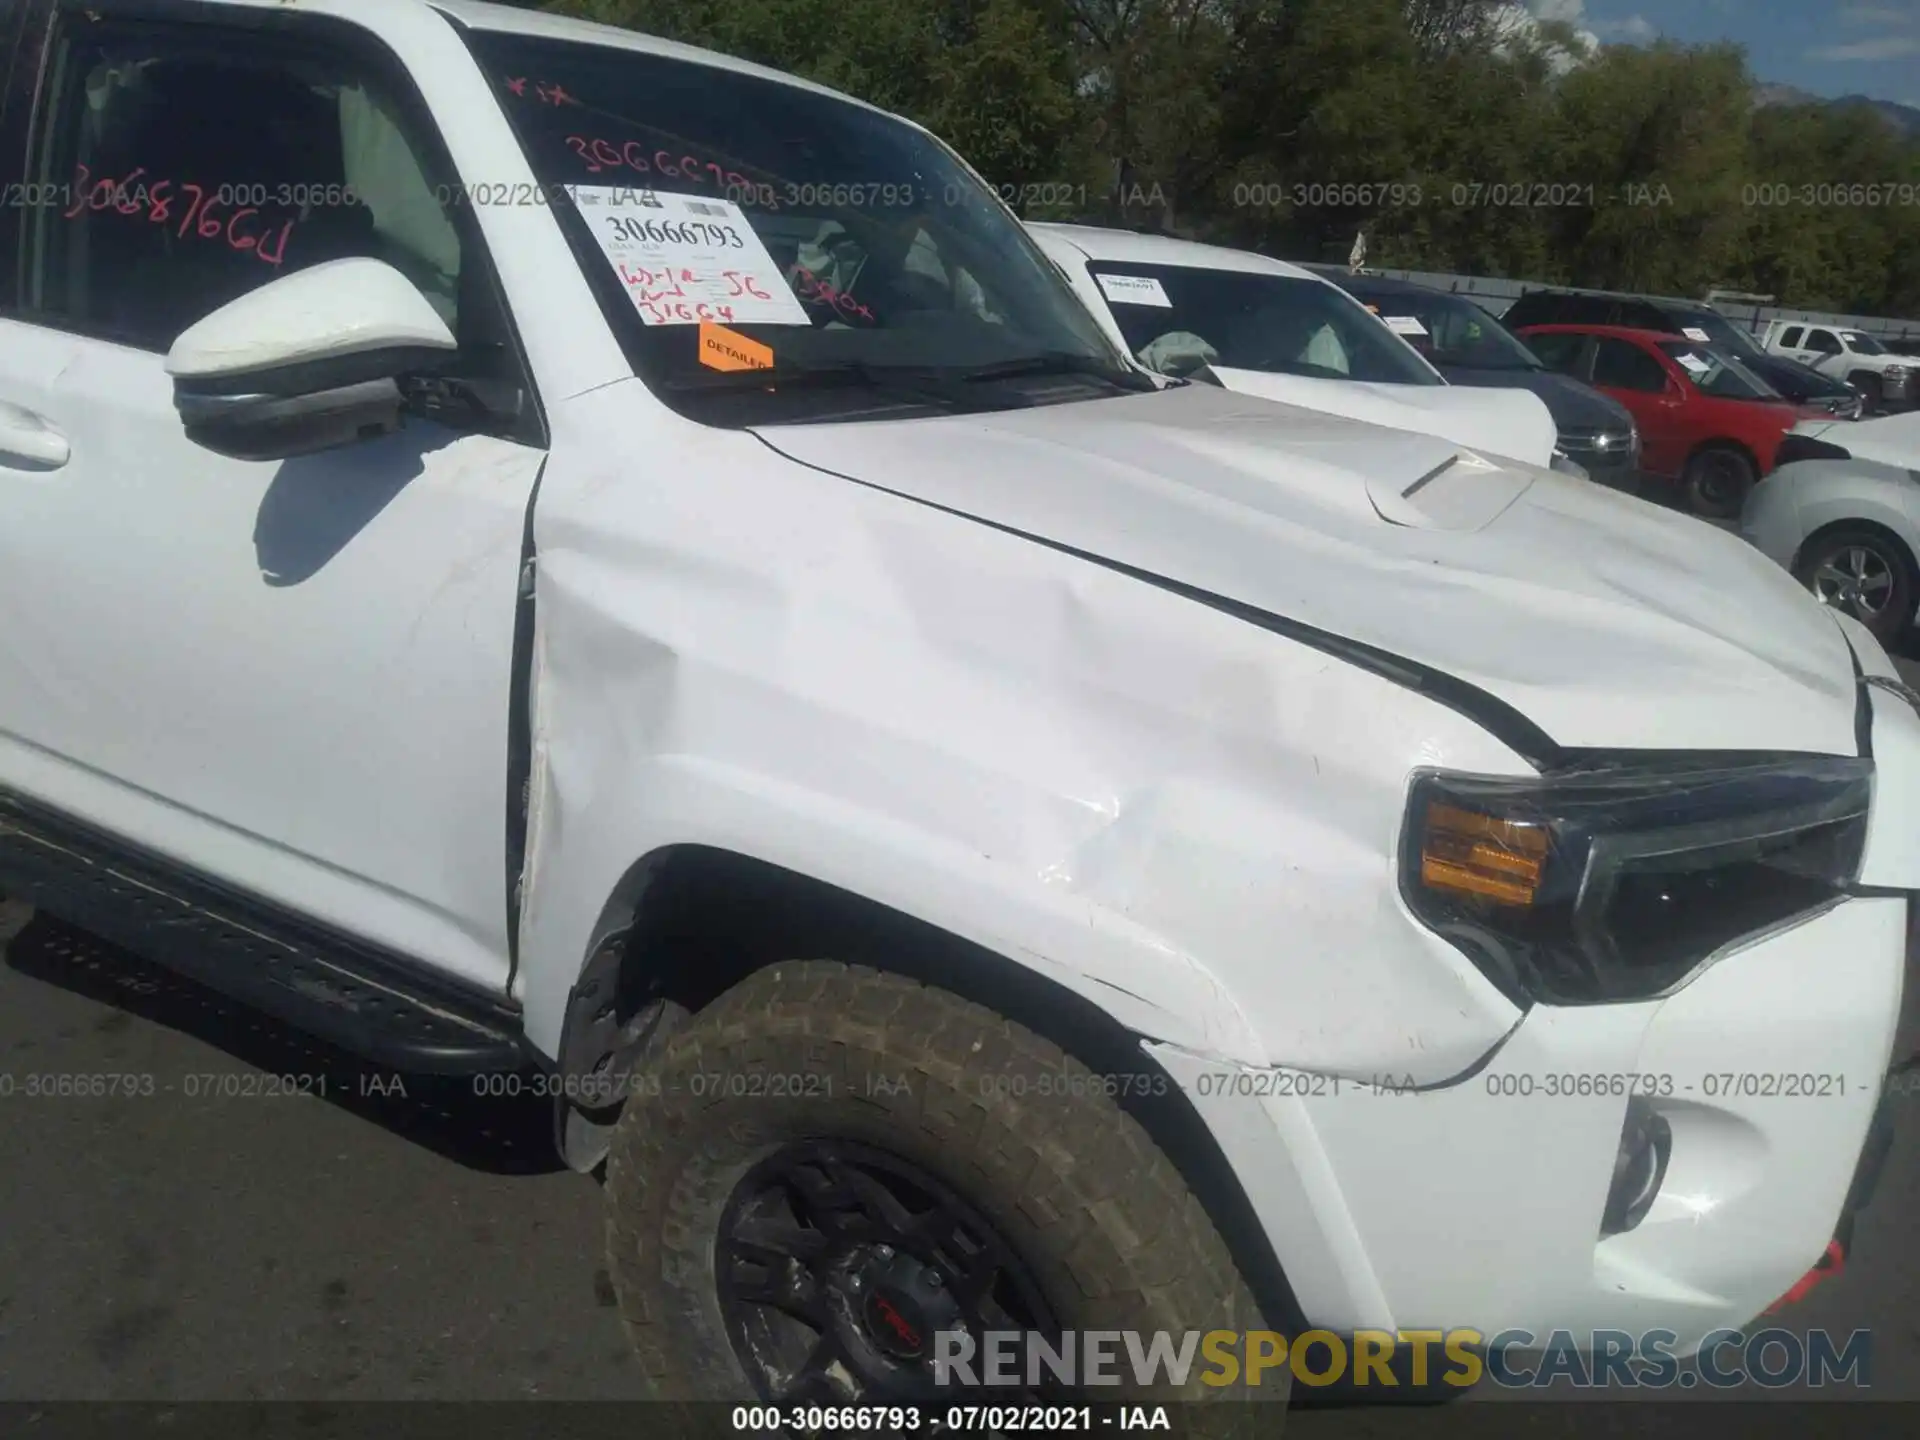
1889,381
526,545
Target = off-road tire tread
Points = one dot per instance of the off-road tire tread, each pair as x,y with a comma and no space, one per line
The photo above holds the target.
1107,1212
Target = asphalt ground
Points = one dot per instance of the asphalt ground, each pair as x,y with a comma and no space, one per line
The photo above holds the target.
399,1239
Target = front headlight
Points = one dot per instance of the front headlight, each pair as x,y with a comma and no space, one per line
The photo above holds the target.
1616,883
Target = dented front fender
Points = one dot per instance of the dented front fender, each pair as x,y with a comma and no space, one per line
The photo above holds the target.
1187,819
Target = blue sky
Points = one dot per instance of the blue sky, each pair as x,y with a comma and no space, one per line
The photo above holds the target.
1831,47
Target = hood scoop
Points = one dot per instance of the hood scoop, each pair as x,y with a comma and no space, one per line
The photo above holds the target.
1464,492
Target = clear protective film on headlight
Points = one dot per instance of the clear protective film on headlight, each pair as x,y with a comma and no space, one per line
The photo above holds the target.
1619,883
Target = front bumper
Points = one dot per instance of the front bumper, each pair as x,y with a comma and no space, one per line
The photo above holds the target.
1479,1205
1608,458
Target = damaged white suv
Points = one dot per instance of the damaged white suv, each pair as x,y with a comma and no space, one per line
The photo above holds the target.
527,545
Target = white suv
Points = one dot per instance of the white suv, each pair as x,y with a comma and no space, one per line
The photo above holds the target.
1264,327
1887,380
527,545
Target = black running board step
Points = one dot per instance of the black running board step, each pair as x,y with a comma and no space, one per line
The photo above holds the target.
378,1005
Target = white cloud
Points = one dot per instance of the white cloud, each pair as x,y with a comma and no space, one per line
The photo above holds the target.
1864,12
1520,23
1524,17
1886,47
1634,30
1897,27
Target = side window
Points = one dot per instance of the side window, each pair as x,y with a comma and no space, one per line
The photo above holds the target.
201,162
1790,337
1558,351
1625,366
1822,342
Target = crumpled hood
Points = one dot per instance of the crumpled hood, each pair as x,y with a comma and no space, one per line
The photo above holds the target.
1606,621
1507,422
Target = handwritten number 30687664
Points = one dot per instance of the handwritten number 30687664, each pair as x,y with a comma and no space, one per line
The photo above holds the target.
154,203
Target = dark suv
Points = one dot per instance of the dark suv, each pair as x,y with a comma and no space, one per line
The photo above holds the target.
1468,346
1695,320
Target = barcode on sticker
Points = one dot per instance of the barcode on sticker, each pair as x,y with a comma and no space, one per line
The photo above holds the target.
701,207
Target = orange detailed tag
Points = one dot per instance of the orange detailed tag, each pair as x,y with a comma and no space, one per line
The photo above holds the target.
724,349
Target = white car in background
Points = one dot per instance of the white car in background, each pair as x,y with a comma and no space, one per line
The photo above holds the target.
1265,327
1842,512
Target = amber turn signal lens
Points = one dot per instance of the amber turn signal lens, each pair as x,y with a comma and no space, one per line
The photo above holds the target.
1473,854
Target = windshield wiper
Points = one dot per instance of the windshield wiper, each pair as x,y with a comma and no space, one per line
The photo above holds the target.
850,372
895,382
1053,362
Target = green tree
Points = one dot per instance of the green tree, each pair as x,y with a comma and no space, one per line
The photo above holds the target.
992,77
1287,125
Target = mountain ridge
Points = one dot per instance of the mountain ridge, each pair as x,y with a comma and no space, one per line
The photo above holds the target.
1903,118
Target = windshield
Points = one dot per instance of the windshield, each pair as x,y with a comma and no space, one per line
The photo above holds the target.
1720,332
1718,374
1449,330
731,222
1865,344
1178,317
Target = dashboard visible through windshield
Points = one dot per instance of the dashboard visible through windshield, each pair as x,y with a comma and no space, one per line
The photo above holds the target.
1716,373
1449,330
1177,318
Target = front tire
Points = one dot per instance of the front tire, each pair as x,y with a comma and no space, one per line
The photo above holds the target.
829,1166
1717,480
1866,573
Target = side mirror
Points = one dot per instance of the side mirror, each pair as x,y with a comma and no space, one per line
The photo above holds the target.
308,362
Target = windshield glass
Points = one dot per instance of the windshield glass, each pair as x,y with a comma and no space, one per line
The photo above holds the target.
1178,317
1720,331
731,222
1449,330
1865,344
1718,374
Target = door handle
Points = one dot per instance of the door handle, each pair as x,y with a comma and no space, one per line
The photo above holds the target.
28,442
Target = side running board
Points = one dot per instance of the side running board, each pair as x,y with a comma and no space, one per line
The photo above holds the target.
379,1005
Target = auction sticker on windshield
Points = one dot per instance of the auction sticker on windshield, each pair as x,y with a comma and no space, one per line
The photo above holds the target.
724,349
1699,337
1405,324
1693,363
1134,290
687,259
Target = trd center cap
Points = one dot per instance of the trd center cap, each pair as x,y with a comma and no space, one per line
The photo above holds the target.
894,1323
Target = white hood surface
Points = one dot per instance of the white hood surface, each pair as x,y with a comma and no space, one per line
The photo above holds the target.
1887,440
1605,621
1514,423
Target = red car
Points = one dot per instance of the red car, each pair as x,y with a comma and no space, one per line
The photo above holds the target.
1706,421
